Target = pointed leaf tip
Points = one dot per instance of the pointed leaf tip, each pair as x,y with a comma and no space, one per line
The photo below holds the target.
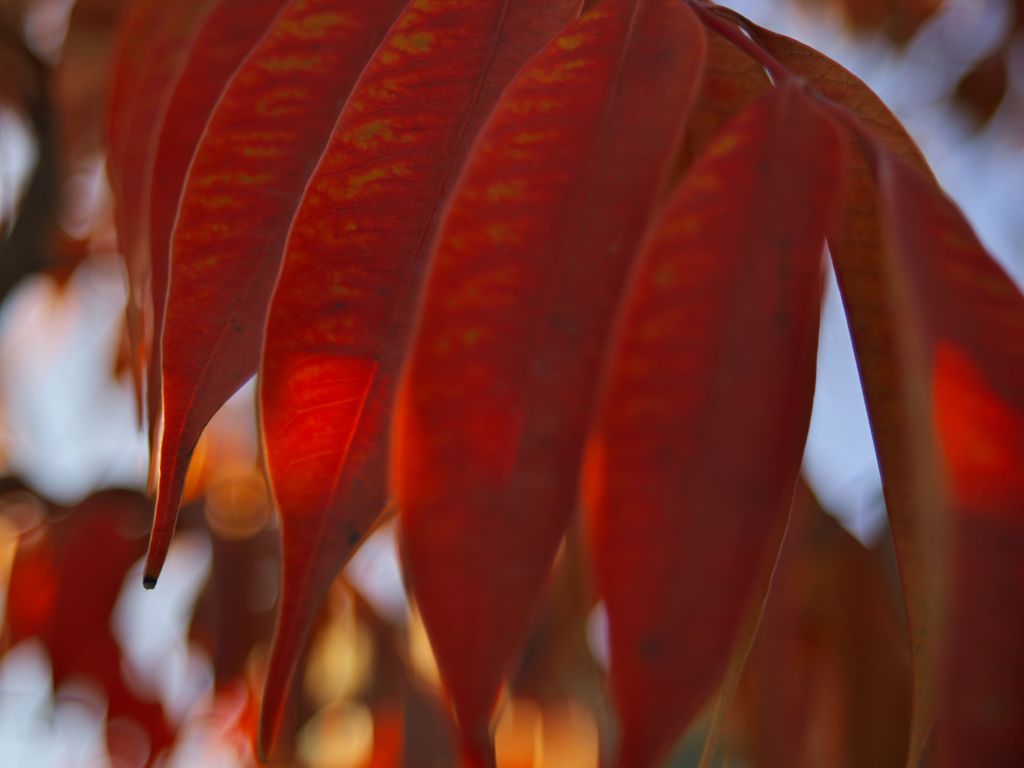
672,505
165,514
331,357
229,232
537,240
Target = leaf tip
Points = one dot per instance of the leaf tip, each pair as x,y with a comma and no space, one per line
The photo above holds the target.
266,733
149,581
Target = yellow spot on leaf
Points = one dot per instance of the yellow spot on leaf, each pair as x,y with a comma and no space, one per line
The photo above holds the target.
560,73
686,225
706,182
470,336
724,145
417,42
529,137
234,178
217,202
570,42
505,190
317,25
365,133
260,151
282,64
501,233
664,276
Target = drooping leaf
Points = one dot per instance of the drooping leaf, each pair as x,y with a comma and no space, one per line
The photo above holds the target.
355,256
243,186
967,322
526,278
905,308
828,681
138,39
697,446
896,396
167,48
839,86
131,51
228,34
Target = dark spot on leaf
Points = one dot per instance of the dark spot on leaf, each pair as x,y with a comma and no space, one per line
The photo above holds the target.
650,648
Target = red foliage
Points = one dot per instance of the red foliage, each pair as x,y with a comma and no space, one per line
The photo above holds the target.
563,253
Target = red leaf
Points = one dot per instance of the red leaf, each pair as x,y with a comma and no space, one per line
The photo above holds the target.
133,55
967,323
132,49
228,33
341,313
167,47
242,189
896,396
698,444
528,270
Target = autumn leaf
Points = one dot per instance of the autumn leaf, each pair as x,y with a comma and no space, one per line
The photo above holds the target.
142,76
243,185
896,396
526,278
355,256
228,34
703,423
965,310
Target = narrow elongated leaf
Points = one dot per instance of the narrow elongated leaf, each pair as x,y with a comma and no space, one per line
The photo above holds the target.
732,81
128,64
896,395
526,279
244,184
133,54
699,440
227,35
169,44
969,325
905,366
931,335
341,313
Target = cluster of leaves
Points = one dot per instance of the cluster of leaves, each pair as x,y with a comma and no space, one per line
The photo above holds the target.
486,254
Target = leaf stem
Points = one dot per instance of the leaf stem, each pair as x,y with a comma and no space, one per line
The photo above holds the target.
732,30
733,27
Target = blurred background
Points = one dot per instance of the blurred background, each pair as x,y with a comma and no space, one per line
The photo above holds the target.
96,672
